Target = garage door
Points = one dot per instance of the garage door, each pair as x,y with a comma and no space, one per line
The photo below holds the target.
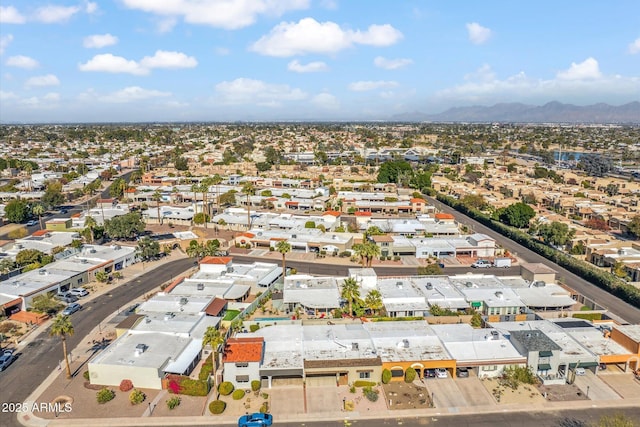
321,380
285,381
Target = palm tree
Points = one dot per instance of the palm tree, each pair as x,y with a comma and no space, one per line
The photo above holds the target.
350,292
90,223
213,337
367,251
216,180
212,248
373,301
38,209
249,190
62,327
156,197
283,247
195,249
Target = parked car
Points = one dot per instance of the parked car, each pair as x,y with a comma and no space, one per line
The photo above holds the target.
441,373
31,222
257,419
71,308
79,292
481,263
462,372
580,371
67,297
430,373
6,359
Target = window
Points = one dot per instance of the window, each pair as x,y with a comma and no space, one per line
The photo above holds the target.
80,280
242,378
364,375
490,368
242,365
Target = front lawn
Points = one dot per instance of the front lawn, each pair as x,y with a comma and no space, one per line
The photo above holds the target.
231,314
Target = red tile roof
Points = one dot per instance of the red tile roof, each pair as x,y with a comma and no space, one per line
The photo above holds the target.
362,213
39,233
216,260
215,307
444,216
332,213
418,200
173,284
243,350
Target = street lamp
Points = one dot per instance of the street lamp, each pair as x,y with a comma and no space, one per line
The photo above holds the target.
150,409
587,391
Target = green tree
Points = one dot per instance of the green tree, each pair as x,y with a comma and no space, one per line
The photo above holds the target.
126,226
214,338
53,195
556,233
350,292
367,251
16,211
516,215
147,248
29,256
46,303
474,201
38,210
633,227
90,224
394,171
157,197
62,327
373,301
430,270
102,276
283,247
200,218
118,188
228,198
212,248
181,164
249,190
195,249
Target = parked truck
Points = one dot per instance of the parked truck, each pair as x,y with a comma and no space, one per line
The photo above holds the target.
502,262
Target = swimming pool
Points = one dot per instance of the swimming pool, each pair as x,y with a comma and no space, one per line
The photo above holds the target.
270,319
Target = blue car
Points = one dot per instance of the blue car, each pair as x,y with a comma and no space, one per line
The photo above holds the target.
257,419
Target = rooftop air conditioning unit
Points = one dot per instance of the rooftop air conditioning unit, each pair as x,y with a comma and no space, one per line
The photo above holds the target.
140,348
500,295
183,301
429,286
405,343
168,316
495,335
468,284
42,272
355,346
200,286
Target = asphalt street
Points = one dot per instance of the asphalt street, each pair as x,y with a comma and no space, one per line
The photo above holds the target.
612,303
36,361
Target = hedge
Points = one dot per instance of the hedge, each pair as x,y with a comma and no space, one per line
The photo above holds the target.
105,395
207,368
255,385
588,316
386,376
180,384
361,383
410,375
136,397
237,394
589,272
217,407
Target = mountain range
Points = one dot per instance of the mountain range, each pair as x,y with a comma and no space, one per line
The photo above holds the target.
552,112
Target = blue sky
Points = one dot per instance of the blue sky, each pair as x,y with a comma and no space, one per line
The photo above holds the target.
217,60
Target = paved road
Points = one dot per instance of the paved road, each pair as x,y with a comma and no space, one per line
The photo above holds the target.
36,361
614,304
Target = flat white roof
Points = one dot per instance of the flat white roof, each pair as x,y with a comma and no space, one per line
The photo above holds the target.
337,342
311,291
169,303
406,341
283,346
632,331
466,344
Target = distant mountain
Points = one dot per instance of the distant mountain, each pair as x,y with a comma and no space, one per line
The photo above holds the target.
552,112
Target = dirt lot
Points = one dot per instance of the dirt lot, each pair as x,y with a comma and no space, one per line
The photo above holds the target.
407,396
562,393
523,394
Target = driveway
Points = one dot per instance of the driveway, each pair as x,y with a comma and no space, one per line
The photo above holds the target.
472,390
594,388
286,399
445,392
623,383
323,398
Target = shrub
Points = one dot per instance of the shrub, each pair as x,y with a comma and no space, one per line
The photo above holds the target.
105,395
254,327
352,389
361,383
85,374
225,388
410,375
179,384
217,407
255,385
370,394
237,394
207,368
173,402
264,408
126,385
136,397
386,376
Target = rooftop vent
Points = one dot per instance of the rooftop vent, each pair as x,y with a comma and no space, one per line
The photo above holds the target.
294,236
495,335
140,348
399,285
42,272
168,316
183,301
147,319
499,295
539,284
429,286
200,286
405,343
92,251
468,284
355,346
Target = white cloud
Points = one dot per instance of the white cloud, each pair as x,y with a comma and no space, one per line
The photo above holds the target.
363,86
634,47
10,15
391,64
329,4
109,63
4,42
167,59
98,41
587,69
477,33
222,51
133,93
41,81
311,36
250,91
55,14
580,83
166,25
91,7
326,101
52,97
311,67
5,96
22,61
227,14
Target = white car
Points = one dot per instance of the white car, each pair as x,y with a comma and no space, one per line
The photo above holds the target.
79,292
581,371
441,373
